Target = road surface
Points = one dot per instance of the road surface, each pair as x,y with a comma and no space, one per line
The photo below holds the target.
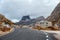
27,34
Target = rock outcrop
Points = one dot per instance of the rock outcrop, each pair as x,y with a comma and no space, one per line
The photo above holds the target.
55,15
3,19
5,24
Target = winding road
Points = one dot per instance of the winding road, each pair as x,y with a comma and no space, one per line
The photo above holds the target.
27,34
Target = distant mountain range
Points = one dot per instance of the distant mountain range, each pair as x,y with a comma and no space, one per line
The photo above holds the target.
26,20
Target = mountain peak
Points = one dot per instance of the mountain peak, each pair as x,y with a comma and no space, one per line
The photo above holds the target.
27,17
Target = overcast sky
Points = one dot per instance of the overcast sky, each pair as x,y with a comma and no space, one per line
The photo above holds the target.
15,9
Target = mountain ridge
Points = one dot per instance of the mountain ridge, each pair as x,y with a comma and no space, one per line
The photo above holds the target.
30,21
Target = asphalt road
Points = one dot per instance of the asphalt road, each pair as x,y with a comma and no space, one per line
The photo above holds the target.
27,34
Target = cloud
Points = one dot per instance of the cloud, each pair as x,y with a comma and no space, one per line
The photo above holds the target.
15,20
15,9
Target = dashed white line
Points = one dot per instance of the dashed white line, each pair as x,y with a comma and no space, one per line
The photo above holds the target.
47,39
47,36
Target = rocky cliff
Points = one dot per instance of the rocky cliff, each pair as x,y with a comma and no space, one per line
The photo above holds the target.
55,15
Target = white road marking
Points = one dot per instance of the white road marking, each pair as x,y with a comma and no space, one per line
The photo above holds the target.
47,39
47,36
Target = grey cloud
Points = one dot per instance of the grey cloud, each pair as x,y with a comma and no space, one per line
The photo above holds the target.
15,9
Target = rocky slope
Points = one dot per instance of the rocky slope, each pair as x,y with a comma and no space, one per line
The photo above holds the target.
5,24
3,19
55,15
